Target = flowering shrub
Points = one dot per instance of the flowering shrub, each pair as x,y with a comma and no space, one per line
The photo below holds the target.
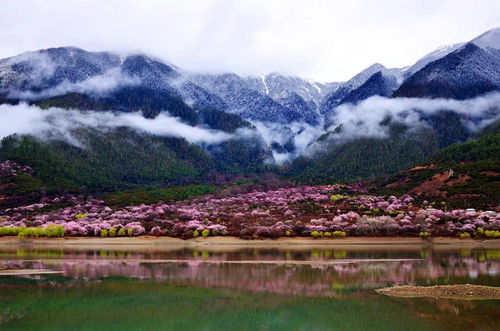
12,168
315,211
156,231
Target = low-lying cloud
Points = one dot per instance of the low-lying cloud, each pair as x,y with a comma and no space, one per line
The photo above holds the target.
99,85
56,123
365,118
300,134
369,117
286,141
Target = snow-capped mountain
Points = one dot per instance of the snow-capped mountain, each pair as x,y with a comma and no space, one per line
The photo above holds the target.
243,100
378,84
432,56
488,40
149,72
470,70
275,97
347,92
57,71
48,68
277,86
457,71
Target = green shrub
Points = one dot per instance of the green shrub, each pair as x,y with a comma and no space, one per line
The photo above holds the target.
130,232
424,235
205,233
479,233
82,215
9,231
492,234
112,232
464,235
339,234
121,232
104,233
288,233
32,232
40,232
336,197
53,230
25,233
328,234
196,233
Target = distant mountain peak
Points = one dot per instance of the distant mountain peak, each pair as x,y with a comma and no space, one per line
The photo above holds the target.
489,39
376,66
438,53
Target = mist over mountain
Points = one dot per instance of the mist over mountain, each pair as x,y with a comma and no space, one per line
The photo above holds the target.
380,121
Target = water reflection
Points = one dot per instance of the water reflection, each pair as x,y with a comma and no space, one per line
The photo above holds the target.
332,272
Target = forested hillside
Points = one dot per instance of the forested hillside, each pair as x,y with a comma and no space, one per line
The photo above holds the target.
464,174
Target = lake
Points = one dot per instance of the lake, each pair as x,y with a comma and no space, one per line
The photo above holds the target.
227,288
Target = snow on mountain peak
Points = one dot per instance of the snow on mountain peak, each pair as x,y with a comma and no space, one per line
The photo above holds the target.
364,75
489,39
440,52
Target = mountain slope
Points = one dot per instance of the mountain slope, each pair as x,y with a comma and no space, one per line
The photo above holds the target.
364,157
48,68
377,84
431,57
243,100
124,158
55,72
276,85
119,159
383,84
127,99
464,175
469,71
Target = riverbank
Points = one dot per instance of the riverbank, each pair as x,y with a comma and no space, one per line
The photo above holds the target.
223,243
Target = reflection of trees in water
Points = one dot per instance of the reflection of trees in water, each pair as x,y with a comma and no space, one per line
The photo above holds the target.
312,280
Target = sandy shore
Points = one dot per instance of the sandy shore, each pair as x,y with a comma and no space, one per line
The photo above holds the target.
233,243
462,292
25,272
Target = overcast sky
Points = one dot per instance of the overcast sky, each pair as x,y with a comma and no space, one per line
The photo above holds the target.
325,40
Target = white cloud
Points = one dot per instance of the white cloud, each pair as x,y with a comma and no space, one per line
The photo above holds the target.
360,120
96,85
364,118
56,123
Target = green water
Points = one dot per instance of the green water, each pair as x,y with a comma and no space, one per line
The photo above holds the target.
186,290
